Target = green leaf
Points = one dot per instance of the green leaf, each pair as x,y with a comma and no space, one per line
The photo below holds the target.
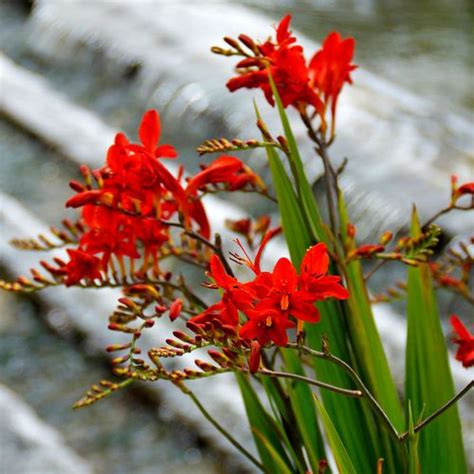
305,193
352,417
292,220
428,383
300,398
279,463
263,429
365,338
341,456
412,445
285,420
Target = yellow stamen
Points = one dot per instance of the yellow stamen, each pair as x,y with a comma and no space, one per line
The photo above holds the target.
284,302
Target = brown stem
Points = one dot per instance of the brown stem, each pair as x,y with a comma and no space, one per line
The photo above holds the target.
309,381
450,208
440,410
362,387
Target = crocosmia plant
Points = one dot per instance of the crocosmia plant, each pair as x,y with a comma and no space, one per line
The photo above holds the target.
298,333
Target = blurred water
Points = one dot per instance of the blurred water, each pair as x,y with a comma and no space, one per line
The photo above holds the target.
424,45
120,435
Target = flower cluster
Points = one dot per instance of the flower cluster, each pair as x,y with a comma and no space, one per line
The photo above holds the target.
300,83
274,301
136,197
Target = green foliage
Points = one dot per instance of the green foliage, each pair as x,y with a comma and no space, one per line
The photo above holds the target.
341,456
429,383
265,434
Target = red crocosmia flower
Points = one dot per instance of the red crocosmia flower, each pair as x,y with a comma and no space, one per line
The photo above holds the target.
330,68
285,297
149,133
286,62
81,265
111,233
175,308
241,294
314,278
265,326
465,339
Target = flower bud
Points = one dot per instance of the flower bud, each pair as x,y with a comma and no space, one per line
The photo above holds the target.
351,230
175,308
386,238
254,359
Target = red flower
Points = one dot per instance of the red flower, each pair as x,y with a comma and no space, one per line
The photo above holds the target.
237,296
81,265
272,302
465,339
286,62
314,278
265,326
224,311
149,133
330,68
285,297
111,233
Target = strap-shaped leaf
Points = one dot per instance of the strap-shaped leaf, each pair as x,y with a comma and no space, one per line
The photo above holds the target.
293,224
429,383
365,338
341,456
305,194
263,429
352,418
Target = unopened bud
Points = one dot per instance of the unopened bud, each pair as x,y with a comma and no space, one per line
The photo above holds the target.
249,42
232,42
117,347
254,359
351,230
386,238
205,366
218,357
175,308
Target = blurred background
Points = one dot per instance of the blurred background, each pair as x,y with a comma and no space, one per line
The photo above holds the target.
74,72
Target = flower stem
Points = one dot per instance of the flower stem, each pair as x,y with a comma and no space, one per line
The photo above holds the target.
310,381
440,410
365,393
223,431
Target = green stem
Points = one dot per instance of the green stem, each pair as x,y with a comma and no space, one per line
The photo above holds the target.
222,430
